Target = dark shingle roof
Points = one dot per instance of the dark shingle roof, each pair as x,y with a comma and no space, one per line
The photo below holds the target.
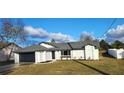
74,45
59,46
35,48
32,48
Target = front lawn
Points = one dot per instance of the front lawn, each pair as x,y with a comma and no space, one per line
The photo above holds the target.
105,66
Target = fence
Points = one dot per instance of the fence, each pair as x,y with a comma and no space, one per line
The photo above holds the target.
117,53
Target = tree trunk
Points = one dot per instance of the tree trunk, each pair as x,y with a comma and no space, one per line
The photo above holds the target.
9,56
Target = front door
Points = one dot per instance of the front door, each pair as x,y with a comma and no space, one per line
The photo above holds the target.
53,54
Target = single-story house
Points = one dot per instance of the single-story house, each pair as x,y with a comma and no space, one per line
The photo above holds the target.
48,51
117,53
5,49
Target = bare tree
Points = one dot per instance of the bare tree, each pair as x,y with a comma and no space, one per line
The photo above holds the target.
53,40
12,30
86,37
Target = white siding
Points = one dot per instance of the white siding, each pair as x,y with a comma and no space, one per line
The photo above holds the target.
38,57
48,55
16,56
58,55
91,53
77,54
117,53
42,56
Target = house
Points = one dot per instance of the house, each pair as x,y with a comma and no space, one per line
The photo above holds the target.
48,51
5,49
117,53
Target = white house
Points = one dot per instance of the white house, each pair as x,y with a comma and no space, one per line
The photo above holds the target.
117,53
5,49
48,51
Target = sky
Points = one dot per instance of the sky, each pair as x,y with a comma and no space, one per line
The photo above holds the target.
70,29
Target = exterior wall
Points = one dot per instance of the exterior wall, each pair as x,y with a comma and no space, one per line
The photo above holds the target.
123,54
48,55
4,53
91,53
3,56
117,53
37,57
42,56
16,57
58,55
77,54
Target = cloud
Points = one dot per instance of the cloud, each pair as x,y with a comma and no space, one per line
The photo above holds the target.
42,33
36,32
60,36
115,34
86,34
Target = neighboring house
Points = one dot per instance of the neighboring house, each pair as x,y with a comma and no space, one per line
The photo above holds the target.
5,49
47,51
117,53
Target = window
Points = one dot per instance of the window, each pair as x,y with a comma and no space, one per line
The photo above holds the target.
66,52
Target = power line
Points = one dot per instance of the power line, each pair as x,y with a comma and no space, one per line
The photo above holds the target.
109,27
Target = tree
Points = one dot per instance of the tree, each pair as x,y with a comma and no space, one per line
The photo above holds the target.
12,30
117,44
53,40
85,37
104,45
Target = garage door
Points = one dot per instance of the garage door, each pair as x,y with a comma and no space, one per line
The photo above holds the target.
27,57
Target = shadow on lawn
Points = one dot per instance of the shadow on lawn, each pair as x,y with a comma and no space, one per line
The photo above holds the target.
104,73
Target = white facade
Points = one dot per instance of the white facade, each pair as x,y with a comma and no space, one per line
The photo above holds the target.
16,56
57,55
42,56
77,54
89,52
117,53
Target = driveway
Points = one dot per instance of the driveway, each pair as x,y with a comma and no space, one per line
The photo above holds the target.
7,68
